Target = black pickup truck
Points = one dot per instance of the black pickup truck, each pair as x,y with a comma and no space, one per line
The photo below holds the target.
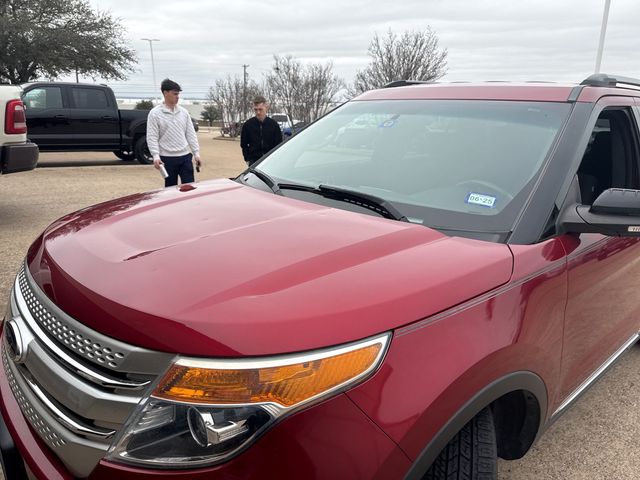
83,117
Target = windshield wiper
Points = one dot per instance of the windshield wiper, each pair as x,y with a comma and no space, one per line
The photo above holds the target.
266,179
371,202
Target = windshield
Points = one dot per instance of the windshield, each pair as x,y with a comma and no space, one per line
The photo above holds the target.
449,164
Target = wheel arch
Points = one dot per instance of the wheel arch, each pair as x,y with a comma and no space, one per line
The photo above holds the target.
135,130
519,404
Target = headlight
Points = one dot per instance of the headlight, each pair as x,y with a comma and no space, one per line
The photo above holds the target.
202,412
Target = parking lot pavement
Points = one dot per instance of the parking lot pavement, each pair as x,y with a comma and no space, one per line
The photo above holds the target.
596,439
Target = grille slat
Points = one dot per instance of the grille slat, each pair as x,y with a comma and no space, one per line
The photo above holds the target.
34,419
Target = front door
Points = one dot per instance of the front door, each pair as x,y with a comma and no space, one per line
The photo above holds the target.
603,306
47,115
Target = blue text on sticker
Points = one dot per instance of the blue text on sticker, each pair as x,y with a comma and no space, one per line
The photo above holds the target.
481,199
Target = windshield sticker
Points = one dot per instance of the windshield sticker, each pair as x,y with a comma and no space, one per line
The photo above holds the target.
389,123
481,199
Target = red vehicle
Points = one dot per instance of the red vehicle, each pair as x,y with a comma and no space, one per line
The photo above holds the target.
421,294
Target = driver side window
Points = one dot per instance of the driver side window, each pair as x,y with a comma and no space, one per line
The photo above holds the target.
45,97
611,158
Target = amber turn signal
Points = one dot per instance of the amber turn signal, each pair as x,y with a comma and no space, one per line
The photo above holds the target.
287,381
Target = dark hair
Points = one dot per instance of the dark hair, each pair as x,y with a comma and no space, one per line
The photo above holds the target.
168,85
259,99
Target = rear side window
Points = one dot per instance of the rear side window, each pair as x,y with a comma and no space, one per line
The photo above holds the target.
90,98
43,97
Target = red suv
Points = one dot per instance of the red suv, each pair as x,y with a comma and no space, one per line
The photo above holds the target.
417,283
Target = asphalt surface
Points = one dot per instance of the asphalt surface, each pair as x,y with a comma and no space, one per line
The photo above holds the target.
598,438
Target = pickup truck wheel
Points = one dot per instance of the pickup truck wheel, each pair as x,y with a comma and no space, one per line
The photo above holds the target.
470,455
142,151
127,157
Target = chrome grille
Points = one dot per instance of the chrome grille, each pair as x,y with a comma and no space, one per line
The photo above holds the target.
34,419
73,405
60,329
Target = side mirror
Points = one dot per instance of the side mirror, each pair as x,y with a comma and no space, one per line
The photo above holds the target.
617,201
616,212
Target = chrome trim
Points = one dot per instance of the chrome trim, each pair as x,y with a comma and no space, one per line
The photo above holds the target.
64,419
79,454
595,375
46,431
84,399
80,369
275,408
17,348
283,360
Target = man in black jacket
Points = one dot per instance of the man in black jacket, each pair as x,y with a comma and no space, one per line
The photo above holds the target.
260,133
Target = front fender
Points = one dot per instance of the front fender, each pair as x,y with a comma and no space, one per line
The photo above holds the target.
440,372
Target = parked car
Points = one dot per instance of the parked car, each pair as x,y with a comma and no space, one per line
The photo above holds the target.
232,129
413,304
287,125
84,117
16,154
282,119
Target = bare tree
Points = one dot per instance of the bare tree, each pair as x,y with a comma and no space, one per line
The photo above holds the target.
322,87
302,91
228,96
284,84
412,56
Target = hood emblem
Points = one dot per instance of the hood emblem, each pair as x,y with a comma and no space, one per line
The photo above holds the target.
16,348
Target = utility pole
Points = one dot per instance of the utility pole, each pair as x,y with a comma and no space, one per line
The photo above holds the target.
244,92
153,64
603,31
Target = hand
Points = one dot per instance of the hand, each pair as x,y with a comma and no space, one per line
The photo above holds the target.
157,162
198,163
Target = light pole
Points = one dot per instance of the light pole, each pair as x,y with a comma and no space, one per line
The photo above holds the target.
244,92
153,63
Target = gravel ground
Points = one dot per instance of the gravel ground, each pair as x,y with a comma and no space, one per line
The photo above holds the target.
596,439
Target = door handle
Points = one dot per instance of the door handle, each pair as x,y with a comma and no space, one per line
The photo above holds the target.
108,117
60,117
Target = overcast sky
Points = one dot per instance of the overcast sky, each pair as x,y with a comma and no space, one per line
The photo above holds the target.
202,40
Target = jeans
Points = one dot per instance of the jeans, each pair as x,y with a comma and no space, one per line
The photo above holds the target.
178,166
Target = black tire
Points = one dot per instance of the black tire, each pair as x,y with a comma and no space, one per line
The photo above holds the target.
470,455
142,151
127,157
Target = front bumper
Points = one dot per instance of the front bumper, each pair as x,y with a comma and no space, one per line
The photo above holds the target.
18,157
332,440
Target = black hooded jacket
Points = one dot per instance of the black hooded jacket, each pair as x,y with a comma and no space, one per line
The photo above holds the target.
257,138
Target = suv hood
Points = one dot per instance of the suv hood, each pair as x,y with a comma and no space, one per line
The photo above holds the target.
220,269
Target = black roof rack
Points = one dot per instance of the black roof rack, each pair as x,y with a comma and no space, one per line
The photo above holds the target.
604,80
404,83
